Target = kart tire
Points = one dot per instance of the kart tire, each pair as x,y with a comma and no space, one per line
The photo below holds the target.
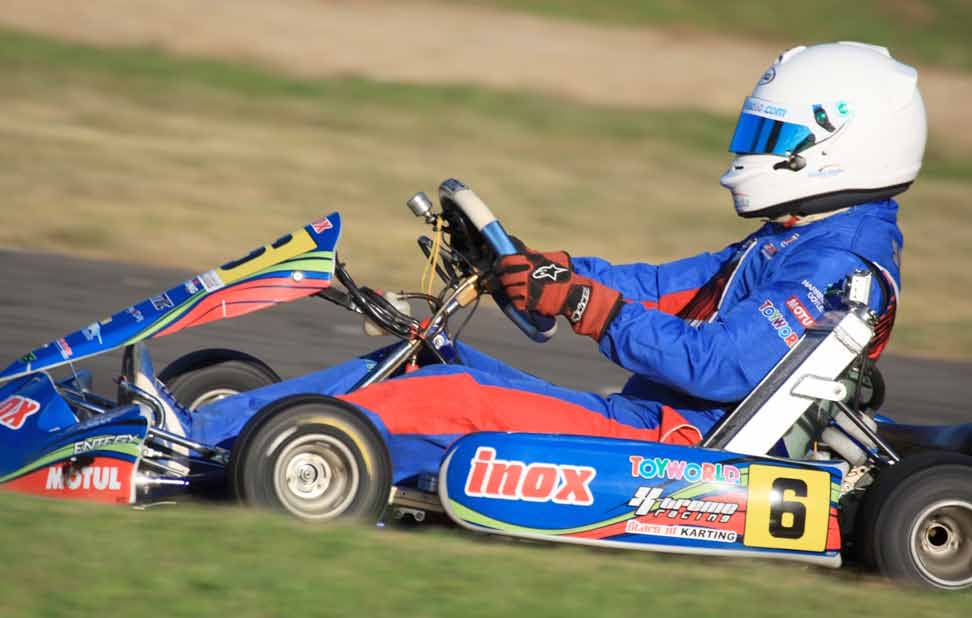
314,457
915,524
205,376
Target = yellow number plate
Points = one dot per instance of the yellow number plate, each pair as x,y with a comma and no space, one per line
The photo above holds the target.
788,508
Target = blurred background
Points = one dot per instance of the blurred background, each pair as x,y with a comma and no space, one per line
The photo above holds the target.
183,133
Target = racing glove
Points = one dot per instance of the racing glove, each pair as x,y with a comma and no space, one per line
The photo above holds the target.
545,283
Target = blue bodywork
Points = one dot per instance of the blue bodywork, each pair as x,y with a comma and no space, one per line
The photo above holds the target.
46,450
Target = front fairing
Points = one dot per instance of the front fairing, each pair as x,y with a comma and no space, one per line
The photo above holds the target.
47,432
293,266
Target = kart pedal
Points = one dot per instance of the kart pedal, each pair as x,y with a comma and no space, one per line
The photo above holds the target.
401,513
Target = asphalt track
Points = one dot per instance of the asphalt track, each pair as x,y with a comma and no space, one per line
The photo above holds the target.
45,296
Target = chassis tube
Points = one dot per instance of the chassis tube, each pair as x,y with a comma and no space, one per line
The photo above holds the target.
870,433
407,348
215,452
388,366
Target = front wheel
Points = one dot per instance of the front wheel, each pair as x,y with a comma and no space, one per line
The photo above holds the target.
917,521
313,457
206,376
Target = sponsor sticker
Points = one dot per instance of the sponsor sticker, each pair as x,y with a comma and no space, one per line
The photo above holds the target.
490,477
764,108
779,323
815,295
789,241
211,281
769,250
100,478
14,411
28,358
162,302
767,77
680,470
65,348
800,312
634,526
99,442
321,225
192,286
135,313
92,332
828,171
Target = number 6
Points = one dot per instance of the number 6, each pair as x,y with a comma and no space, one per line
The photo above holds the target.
779,507
787,508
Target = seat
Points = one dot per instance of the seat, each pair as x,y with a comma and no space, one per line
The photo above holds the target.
791,388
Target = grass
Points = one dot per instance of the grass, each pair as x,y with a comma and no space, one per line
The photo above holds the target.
70,560
134,155
915,30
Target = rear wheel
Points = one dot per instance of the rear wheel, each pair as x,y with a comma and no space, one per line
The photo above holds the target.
916,523
313,457
206,376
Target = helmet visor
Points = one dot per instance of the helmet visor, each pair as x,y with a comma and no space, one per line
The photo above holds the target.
765,127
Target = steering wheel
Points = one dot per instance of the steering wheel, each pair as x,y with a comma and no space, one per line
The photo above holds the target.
538,327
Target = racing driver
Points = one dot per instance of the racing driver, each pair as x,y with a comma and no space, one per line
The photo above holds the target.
830,134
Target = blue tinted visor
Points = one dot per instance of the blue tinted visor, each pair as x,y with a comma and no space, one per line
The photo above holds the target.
760,135
767,127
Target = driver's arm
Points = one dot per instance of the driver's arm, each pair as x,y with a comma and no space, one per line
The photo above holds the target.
667,287
725,359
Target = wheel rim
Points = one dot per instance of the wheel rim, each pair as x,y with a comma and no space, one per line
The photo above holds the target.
212,396
316,477
941,543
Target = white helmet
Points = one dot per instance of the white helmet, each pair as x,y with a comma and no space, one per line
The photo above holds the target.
828,126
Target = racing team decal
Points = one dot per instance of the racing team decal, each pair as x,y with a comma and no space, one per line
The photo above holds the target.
666,495
711,520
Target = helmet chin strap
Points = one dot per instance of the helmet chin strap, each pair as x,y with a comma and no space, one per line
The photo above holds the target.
790,220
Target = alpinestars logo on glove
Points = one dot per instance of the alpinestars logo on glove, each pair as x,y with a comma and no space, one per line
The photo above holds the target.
549,271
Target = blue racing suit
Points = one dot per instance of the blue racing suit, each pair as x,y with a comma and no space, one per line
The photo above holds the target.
697,334
708,328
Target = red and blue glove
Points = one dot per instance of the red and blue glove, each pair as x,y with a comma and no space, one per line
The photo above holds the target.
545,283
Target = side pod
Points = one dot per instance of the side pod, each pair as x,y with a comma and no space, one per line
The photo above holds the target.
642,495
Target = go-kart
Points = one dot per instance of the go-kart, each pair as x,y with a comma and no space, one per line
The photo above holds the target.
801,469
